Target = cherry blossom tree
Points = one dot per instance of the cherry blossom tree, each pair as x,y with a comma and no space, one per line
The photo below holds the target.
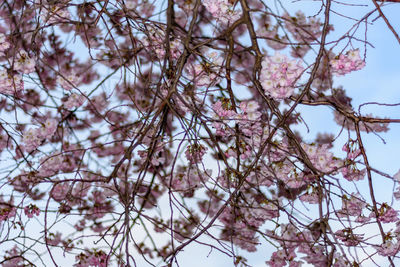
133,130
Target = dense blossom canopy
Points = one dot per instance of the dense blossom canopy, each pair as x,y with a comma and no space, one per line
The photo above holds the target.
133,130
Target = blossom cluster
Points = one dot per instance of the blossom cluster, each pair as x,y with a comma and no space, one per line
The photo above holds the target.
301,28
294,241
55,13
344,64
69,81
155,156
23,63
14,257
194,153
222,10
247,117
388,248
10,83
7,210
348,237
391,244
31,210
350,171
206,73
4,44
279,75
32,138
364,126
58,162
386,214
321,157
353,205
241,224
91,259
155,42
187,181
273,39
74,101
304,30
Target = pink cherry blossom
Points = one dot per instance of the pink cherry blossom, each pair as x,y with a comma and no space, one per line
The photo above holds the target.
222,10
32,138
24,63
50,127
7,210
10,83
4,44
31,210
387,214
69,80
344,64
74,101
194,153
389,248
279,75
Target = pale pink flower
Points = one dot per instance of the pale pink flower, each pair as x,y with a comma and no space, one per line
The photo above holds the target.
7,210
388,216
60,191
279,75
222,10
31,139
69,80
74,101
348,237
4,44
344,64
55,13
352,173
24,63
194,153
50,127
14,256
321,157
10,84
206,73
352,206
157,156
223,109
189,180
91,259
131,4
155,42
311,198
389,248
31,210
303,29
54,239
